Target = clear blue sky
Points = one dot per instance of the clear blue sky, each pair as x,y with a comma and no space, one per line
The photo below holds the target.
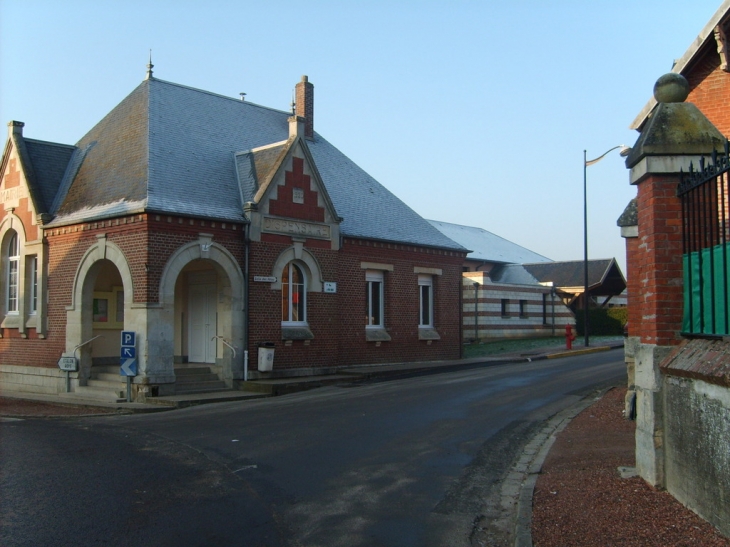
472,112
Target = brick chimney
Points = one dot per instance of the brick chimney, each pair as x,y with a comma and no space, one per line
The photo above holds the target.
305,105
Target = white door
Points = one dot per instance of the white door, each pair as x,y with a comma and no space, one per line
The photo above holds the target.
202,323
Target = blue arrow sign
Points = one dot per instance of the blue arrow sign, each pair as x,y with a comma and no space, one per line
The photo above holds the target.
128,367
129,352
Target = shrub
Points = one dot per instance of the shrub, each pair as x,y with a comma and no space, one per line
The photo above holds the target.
603,321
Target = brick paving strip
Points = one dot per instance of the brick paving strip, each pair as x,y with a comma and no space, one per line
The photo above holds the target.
21,408
580,498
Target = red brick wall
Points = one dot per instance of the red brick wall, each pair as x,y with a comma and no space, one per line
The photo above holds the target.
305,105
167,234
656,266
338,320
654,260
147,242
710,89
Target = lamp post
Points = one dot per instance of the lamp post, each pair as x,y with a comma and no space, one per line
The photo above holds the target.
586,162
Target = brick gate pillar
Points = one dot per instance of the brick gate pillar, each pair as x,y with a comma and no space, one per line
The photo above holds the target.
674,135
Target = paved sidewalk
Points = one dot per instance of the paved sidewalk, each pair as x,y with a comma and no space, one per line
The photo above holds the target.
586,492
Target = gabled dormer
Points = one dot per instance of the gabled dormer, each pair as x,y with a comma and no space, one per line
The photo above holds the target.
31,172
284,194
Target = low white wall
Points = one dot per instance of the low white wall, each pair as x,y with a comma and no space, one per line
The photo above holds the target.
34,379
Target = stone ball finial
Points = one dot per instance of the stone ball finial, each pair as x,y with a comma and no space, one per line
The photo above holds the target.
671,88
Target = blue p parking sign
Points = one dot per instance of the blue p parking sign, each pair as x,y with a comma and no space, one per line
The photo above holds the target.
129,338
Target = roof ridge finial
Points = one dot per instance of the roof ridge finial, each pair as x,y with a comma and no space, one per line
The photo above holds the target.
293,102
149,68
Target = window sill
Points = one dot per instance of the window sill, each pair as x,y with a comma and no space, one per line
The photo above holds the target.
428,333
296,333
11,321
377,335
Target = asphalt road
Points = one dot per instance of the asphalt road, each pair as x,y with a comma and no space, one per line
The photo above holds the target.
408,462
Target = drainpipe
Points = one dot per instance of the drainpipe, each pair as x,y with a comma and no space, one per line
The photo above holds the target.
246,245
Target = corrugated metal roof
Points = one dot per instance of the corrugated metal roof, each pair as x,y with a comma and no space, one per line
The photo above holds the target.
487,246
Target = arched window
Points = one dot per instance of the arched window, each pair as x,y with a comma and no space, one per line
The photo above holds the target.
13,273
293,295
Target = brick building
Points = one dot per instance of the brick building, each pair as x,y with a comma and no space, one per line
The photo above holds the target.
512,292
209,225
678,254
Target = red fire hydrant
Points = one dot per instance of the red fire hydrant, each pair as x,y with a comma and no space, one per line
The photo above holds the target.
569,336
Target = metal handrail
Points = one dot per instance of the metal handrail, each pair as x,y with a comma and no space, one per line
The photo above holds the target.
87,342
225,342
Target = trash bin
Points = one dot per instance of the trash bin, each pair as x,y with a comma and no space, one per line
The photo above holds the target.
266,356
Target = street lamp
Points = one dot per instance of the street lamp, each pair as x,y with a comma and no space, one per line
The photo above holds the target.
625,150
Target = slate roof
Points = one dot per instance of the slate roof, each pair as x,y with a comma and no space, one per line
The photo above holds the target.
512,274
172,149
487,246
49,161
604,275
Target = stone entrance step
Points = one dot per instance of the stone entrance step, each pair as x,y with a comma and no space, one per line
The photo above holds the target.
197,378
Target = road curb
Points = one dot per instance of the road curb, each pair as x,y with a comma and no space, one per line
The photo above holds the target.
584,351
529,466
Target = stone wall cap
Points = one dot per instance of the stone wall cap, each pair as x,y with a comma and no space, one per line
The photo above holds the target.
630,216
676,129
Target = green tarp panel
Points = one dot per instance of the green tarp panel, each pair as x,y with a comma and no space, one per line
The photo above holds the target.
706,291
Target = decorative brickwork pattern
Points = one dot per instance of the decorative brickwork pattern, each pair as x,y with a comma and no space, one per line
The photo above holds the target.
284,205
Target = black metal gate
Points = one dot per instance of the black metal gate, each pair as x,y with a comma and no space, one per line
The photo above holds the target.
706,246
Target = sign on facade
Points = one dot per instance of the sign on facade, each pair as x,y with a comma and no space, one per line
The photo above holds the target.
69,364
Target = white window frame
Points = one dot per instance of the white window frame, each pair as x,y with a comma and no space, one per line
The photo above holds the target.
289,288
375,287
425,287
12,278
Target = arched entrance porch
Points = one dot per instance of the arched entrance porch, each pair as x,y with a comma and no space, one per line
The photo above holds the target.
202,291
100,308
